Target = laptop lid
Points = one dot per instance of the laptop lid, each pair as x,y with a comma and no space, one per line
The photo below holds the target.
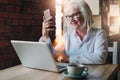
35,55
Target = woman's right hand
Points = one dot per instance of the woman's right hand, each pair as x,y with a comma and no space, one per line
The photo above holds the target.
47,26
61,57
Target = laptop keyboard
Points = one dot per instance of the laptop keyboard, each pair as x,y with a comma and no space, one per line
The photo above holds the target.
60,67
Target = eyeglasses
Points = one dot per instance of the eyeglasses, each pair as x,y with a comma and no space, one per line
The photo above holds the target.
73,16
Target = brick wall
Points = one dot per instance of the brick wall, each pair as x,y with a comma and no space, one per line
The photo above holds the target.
19,20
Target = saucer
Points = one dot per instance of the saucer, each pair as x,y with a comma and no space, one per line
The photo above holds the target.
83,75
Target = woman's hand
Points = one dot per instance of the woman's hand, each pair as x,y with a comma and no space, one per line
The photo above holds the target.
47,26
61,57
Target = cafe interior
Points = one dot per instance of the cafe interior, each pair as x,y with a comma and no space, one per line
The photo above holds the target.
22,20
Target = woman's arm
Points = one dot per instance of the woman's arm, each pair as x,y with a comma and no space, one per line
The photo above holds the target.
58,51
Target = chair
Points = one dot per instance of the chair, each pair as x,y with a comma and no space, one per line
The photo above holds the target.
113,49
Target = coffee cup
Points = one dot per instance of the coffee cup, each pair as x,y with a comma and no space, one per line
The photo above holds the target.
76,70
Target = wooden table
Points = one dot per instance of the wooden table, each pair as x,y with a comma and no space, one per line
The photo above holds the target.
96,72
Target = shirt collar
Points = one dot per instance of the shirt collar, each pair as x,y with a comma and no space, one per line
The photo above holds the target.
88,29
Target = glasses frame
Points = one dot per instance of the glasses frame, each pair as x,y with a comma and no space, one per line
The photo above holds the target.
73,16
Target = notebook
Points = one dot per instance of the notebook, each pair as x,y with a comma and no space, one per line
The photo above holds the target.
36,55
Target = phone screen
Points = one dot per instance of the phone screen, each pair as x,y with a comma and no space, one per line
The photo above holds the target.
47,13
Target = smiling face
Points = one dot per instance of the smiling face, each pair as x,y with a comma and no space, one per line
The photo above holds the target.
74,16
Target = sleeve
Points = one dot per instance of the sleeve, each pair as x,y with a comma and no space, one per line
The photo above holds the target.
100,52
60,47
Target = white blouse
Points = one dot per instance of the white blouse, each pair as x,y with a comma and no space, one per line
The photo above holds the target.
91,50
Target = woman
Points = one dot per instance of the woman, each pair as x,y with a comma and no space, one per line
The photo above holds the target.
85,45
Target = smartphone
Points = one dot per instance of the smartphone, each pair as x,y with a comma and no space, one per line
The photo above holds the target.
47,13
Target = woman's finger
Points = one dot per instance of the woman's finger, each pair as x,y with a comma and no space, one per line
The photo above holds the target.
43,18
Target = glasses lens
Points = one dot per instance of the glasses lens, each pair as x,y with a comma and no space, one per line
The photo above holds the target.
68,17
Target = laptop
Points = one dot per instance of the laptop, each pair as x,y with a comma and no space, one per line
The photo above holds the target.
37,55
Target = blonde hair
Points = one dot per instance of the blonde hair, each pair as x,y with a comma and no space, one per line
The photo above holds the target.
84,9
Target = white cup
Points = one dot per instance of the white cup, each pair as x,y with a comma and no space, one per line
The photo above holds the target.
76,70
